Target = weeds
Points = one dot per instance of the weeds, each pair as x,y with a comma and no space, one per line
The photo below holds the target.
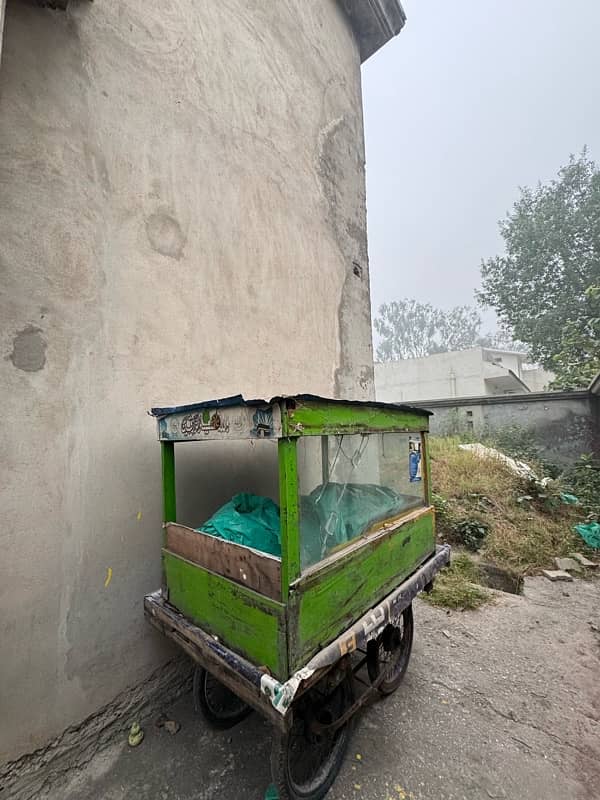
456,586
483,505
583,480
519,443
471,533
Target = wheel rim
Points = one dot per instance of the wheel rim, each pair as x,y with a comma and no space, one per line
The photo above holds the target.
311,757
221,701
391,651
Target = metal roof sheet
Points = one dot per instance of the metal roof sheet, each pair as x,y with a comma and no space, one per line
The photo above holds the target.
239,400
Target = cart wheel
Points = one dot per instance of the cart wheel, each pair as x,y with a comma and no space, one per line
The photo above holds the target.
220,706
390,653
304,764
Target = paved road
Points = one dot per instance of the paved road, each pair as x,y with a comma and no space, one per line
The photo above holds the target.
499,703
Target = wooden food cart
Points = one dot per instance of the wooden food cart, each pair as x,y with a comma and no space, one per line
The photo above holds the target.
295,597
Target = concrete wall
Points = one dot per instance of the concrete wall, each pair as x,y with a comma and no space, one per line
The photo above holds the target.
183,217
460,373
537,378
508,360
457,374
562,424
2,10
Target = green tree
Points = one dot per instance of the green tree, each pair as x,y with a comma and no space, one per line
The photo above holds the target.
409,329
552,243
578,360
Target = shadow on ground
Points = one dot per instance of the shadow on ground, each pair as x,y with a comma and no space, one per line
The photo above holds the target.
497,703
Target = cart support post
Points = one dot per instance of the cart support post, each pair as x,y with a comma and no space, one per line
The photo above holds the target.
288,503
168,478
426,466
325,459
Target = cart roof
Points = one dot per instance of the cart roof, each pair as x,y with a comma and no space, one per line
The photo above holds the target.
239,400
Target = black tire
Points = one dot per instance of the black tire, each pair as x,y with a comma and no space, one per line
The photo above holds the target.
391,652
299,747
219,705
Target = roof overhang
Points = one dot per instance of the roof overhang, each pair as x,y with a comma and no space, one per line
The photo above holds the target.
238,400
374,22
504,380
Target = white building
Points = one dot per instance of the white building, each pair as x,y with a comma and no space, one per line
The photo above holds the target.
462,373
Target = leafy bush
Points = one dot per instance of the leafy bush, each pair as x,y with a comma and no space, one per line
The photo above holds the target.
440,504
583,480
471,533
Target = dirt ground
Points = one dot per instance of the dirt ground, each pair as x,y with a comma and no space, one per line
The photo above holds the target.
503,702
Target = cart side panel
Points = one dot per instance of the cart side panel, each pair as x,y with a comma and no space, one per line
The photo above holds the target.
327,601
245,621
320,418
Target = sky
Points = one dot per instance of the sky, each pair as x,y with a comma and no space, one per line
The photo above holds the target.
473,99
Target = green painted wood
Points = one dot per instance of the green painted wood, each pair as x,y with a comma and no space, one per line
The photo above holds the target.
168,479
318,418
327,601
288,511
245,621
426,469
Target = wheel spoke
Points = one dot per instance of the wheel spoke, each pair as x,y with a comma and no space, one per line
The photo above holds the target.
389,654
221,707
312,756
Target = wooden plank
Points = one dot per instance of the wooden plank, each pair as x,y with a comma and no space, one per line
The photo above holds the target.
329,599
244,565
247,622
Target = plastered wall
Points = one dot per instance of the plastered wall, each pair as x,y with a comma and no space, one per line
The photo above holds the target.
183,217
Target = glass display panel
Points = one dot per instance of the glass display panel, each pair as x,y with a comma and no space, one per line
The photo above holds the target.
350,484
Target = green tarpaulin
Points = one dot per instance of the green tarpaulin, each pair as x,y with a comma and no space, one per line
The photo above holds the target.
590,533
334,514
329,516
247,519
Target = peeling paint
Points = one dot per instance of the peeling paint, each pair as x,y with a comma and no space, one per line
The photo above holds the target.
165,234
339,153
29,350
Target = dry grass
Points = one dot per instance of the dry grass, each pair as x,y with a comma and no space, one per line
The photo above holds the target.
456,586
523,536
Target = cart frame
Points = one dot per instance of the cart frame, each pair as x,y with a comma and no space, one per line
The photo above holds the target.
288,641
253,685
289,614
